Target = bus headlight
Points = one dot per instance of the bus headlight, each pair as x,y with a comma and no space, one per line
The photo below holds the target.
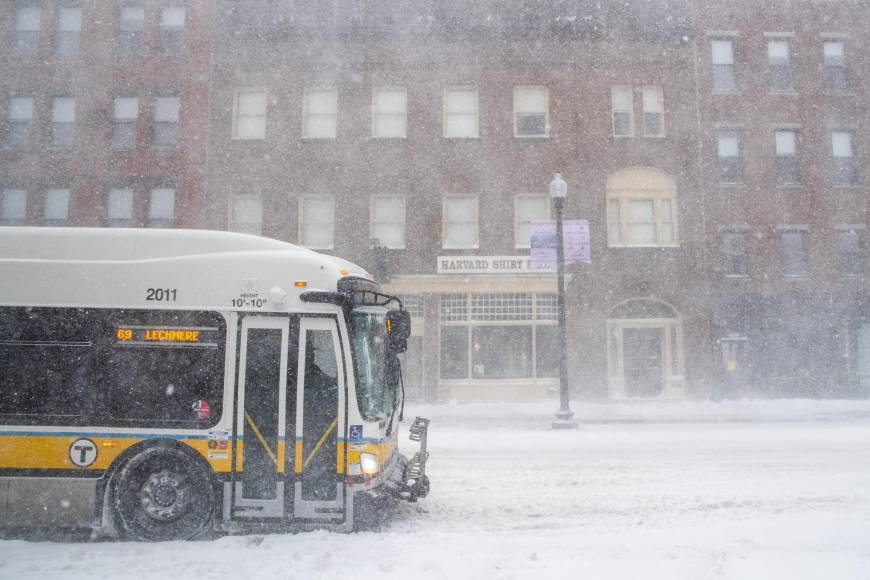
369,463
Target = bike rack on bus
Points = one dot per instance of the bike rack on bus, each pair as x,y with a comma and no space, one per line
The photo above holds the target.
416,469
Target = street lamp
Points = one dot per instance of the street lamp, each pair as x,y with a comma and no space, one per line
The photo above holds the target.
564,416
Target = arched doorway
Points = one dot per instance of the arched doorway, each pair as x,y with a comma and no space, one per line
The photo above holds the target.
645,350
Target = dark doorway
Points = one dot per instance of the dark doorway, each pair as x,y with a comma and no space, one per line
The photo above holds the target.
642,360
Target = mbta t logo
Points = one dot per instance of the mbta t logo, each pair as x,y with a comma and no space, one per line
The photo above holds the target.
83,452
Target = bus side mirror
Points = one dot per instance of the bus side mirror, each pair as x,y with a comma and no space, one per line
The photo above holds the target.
398,329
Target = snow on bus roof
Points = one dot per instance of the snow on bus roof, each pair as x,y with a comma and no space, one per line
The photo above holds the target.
104,245
129,244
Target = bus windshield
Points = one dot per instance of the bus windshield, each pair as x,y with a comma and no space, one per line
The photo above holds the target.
375,393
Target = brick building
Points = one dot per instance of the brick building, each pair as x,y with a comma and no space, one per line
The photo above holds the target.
784,119
717,150
104,107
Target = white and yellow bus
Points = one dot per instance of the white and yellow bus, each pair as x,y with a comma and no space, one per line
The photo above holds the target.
161,383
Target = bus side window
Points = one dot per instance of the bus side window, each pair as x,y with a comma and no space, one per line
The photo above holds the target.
47,356
155,377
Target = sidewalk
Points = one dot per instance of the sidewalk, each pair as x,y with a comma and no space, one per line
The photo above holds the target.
540,413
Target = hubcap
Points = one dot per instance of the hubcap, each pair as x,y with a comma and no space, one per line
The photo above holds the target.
165,495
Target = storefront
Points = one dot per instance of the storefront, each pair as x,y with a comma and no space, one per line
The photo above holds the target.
488,330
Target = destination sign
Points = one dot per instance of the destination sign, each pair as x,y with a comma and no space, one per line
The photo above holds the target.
165,336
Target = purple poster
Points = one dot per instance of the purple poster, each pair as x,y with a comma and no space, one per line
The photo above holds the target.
575,236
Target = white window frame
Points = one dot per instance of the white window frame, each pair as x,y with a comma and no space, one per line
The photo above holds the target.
302,200
444,222
174,118
111,221
721,160
837,64
447,113
64,194
58,126
24,123
523,243
659,95
34,30
842,164
615,92
237,114
625,194
803,232
233,224
132,121
786,159
307,114
373,224
376,114
65,35
545,112
170,39
5,195
714,64
161,220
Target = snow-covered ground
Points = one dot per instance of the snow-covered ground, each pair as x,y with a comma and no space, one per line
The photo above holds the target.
742,490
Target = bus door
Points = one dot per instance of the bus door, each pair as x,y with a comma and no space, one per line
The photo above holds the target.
319,423
260,424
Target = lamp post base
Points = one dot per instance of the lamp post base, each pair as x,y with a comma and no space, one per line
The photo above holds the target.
565,420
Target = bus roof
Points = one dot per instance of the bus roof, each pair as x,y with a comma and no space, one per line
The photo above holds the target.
120,244
116,267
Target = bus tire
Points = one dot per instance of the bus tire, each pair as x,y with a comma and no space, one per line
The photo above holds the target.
162,494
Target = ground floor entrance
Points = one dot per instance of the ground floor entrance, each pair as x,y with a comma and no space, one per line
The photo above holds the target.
645,351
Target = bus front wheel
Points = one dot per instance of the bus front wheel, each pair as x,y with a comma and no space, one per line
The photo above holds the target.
162,494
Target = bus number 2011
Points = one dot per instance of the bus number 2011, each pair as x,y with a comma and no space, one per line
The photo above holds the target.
161,294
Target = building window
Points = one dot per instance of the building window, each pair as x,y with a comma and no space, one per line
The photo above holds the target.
389,114
787,164
851,250
125,114
836,76
55,207
653,112
161,208
320,114
641,209
527,209
27,24
131,26
843,158
13,207
498,336
730,161
722,50
388,221
20,122
249,120
246,215
460,113
317,222
734,254
779,65
622,99
166,114
460,223
69,31
63,117
119,208
170,36
794,254
531,110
